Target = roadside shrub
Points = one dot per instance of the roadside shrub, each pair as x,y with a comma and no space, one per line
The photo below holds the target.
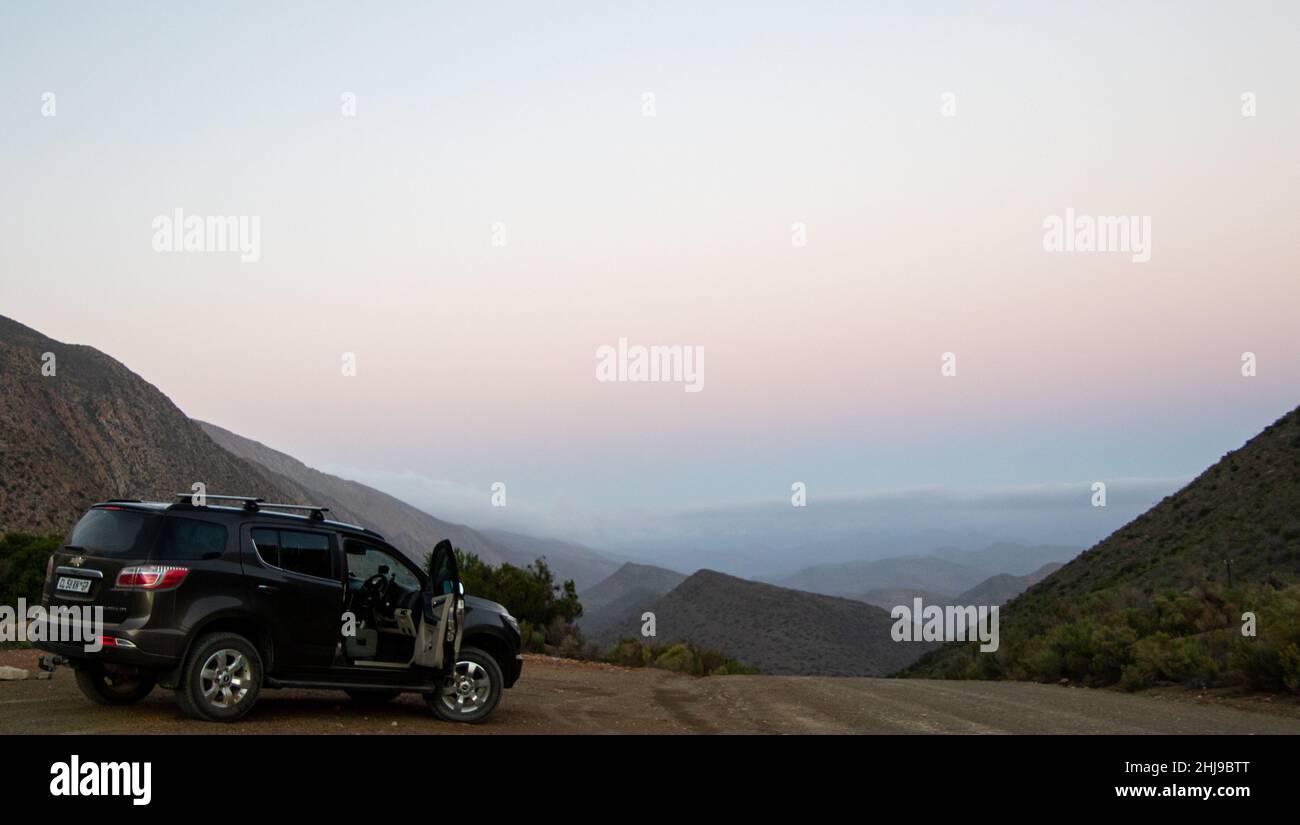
629,653
22,566
1164,658
681,657
1271,659
530,593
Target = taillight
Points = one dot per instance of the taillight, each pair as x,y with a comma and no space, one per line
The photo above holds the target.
114,641
152,577
49,568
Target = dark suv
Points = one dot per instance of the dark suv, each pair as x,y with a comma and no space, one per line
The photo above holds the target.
219,602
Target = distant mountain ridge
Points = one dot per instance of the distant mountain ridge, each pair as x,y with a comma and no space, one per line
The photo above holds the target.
568,559
1004,587
614,604
778,630
1008,557
945,572
907,572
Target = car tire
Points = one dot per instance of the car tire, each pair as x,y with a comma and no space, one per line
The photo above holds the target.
107,687
472,691
222,678
371,698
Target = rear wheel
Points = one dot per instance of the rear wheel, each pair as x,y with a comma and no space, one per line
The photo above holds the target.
222,678
473,689
112,686
370,698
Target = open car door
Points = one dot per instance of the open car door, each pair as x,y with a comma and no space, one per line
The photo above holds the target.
438,641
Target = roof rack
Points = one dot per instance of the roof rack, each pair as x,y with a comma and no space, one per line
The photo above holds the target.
254,504
317,512
250,502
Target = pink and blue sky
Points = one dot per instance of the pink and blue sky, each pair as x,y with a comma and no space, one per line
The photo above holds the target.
475,362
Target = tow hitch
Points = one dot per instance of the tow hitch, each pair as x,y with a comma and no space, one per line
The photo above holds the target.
49,663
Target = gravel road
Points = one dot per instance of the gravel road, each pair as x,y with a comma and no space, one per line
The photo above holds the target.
572,697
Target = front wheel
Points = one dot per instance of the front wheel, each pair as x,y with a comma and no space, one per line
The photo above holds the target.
109,686
472,690
222,679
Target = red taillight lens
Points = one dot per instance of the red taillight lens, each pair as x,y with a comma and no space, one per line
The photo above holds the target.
152,577
113,641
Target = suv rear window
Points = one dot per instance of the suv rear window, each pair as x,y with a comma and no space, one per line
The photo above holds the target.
115,533
189,539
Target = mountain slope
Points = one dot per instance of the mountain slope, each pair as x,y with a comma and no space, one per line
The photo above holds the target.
95,430
780,631
616,603
1155,601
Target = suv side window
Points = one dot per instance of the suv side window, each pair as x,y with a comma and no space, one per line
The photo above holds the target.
187,539
295,551
267,544
364,561
306,553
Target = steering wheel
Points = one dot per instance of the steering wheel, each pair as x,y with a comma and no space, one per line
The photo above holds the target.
372,592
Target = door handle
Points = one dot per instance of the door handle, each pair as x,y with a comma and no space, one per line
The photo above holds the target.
266,588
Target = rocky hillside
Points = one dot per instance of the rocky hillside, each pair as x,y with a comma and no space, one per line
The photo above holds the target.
778,630
95,430
1162,598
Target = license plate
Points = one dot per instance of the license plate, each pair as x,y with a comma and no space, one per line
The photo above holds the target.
72,585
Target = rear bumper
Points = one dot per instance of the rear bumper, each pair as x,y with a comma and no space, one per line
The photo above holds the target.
140,647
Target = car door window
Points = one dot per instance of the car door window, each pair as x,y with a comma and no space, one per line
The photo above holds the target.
364,561
306,553
267,544
295,551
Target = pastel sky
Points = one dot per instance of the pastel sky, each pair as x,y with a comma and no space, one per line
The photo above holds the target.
476,362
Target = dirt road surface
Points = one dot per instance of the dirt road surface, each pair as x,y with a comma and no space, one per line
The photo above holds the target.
572,697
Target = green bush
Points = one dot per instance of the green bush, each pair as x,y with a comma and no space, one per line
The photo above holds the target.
529,593
629,653
23,558
681,657
1135,639
1271,659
